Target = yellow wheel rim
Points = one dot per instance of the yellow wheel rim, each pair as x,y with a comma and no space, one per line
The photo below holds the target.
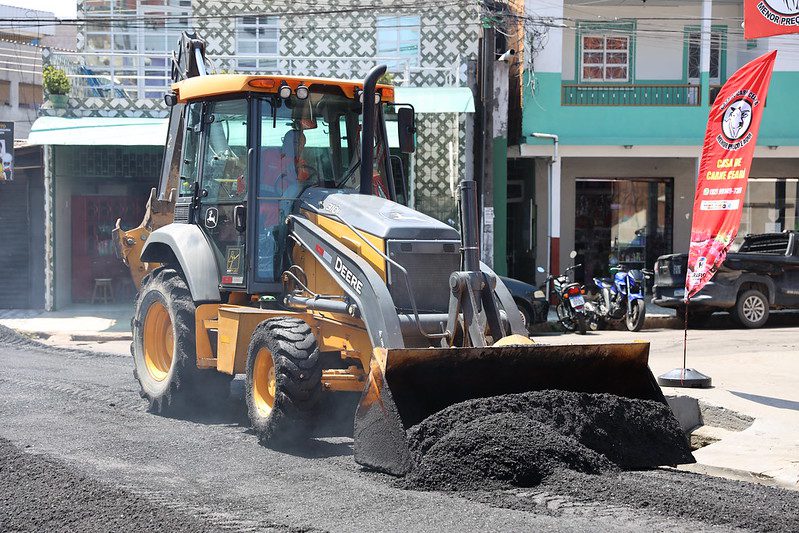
158,341
263,382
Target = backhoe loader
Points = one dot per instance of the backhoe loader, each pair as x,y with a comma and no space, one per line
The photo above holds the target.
286,258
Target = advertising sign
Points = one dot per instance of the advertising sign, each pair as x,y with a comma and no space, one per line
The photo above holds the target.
730,141
7,150
763,18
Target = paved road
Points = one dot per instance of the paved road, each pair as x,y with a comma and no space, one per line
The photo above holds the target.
83,410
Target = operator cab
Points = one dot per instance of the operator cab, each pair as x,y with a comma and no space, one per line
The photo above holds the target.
249,156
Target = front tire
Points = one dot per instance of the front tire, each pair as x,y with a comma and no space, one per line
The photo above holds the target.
751,309
635,316
565,320
284,381
163,348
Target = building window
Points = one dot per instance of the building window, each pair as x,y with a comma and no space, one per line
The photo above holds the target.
398,41
694,54
30,95
605,58
257,42
127,54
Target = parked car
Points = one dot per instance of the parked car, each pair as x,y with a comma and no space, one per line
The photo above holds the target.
762,275
531,301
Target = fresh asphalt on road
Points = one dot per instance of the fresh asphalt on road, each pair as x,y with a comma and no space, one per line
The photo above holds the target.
80,412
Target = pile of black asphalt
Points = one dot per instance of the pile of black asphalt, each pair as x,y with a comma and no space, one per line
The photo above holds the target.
521,439
526,451
38,493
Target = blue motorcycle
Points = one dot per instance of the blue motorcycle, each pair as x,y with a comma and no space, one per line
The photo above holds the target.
621,297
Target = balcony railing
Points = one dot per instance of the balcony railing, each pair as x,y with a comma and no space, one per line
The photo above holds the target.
631,95
134,76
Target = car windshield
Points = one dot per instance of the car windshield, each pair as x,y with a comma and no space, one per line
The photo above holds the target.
313,142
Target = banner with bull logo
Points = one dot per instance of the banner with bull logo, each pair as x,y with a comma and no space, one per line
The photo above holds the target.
724,169
763,18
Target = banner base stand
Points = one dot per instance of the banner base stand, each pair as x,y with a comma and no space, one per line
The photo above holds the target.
685,378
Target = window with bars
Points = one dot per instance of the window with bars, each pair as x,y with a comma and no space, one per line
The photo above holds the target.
257,43
694,55
399,37
605,58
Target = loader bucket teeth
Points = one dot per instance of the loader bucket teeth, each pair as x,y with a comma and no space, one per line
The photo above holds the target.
407,385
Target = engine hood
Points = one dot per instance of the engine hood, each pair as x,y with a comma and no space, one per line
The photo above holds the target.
377,216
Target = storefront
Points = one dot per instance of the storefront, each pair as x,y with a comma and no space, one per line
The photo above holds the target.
622,222
97,170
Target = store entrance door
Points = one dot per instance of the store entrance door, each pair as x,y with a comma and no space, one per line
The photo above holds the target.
93,218
622,222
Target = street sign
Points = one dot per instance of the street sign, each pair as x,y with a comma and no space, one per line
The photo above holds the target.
7,150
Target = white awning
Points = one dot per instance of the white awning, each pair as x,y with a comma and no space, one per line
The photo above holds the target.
98,131
436,99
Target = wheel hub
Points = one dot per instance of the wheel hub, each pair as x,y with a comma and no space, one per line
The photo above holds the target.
753,309
264,382
159,341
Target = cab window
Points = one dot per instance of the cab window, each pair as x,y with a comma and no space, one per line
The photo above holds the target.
224,177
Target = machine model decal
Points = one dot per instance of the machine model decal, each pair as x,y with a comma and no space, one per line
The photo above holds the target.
211,217
324,253
233,259
348,275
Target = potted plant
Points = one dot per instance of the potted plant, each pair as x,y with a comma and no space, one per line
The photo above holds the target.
57,85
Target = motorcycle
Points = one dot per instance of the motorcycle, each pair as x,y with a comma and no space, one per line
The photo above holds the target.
621,297
571,300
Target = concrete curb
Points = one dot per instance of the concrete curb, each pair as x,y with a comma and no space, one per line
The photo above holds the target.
101,337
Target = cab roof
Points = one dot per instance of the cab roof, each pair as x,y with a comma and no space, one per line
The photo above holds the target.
220,84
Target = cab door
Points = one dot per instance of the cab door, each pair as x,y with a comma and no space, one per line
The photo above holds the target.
223,186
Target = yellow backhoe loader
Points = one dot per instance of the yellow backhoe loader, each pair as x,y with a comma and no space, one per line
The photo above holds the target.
287,259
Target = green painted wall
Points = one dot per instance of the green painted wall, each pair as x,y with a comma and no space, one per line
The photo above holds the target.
648,125
500,159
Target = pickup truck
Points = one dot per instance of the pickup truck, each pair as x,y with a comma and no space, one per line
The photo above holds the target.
763,274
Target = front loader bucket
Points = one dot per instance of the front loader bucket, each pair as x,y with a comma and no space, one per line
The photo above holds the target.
407,385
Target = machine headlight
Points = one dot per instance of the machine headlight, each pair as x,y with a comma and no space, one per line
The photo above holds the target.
284,91
301,92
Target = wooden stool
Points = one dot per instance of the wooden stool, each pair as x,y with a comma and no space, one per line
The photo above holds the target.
103,290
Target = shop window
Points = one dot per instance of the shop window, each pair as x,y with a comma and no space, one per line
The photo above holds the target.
258,36
624,222
398,40
770,206
605,58
30,95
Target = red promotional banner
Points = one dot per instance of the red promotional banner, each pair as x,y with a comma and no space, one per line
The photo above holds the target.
724,169
763,18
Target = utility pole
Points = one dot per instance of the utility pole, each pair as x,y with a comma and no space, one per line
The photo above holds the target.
484,134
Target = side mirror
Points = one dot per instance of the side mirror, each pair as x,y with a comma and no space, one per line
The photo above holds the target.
573,254
406,124
170,99
541,270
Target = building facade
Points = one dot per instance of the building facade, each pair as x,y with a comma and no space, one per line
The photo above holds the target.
626,89
120,72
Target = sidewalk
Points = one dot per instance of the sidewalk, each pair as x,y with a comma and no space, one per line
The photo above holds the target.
103,328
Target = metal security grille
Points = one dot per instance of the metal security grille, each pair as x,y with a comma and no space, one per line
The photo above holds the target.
429,265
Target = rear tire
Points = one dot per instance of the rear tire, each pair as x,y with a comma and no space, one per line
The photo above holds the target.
284,381
636,316
751,309
580,323
563,317
163,348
